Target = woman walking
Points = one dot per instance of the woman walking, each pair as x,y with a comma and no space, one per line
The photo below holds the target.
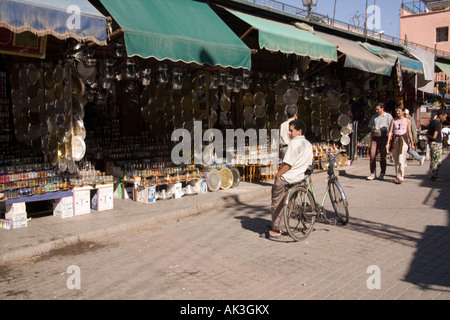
399,133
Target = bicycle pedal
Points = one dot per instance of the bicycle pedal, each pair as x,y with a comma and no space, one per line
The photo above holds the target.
333,221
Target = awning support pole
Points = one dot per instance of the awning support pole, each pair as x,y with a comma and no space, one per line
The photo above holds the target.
322,67
247,32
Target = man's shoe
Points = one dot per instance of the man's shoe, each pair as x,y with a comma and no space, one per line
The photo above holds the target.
437,179
422,160
381,176
371,177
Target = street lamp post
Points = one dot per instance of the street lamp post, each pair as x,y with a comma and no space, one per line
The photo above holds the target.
309,4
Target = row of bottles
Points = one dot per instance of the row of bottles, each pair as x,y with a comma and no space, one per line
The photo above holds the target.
5,120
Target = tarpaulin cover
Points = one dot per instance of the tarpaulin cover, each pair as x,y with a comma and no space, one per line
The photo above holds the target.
391,56
63,19
356,56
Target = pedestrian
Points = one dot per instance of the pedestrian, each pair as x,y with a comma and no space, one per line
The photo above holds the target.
379,125
299,156
399,133
412,152
284,131
434,136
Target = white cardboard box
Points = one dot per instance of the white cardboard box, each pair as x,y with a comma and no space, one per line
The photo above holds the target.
176,190
18,207
103,198
16,216
63,208
81,201
201,186
8,224
145,195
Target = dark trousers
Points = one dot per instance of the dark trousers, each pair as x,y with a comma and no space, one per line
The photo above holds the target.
378,144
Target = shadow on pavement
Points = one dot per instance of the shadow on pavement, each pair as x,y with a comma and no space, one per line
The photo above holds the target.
384,231
343,173
430,268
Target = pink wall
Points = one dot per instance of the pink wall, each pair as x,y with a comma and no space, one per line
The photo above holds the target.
421,28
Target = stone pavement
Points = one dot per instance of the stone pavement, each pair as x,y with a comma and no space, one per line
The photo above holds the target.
46,233
396,246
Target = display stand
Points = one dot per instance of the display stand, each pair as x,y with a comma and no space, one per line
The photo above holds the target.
42,197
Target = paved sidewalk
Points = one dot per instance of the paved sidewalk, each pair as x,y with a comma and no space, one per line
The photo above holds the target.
398,237
49,232
46,233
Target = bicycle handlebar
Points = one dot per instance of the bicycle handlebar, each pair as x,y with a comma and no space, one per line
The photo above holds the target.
310,170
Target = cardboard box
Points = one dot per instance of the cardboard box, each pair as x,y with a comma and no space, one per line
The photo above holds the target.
18,207
64,200
145,194
201,186
176,190
9,225
13,216
63,208
63,211
81,201
103,198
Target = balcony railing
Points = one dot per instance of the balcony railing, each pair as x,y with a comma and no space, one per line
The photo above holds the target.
414,7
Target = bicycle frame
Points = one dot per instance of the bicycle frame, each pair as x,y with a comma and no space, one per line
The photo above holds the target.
331,178
301,208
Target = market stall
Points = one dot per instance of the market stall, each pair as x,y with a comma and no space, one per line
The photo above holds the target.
97,118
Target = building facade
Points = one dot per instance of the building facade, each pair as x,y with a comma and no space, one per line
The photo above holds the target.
427,23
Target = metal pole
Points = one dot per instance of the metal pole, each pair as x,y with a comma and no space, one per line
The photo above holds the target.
334,11
365,24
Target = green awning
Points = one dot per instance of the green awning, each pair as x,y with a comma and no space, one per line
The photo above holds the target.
276,36
444,67
178,30
356,56
408,64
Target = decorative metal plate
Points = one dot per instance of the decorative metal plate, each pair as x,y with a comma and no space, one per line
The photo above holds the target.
213,180
226,178
236,177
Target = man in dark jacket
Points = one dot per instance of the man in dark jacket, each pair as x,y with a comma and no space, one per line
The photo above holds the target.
434,135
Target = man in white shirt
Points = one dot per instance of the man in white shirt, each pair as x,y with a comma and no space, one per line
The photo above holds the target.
379,126
284,131
299,156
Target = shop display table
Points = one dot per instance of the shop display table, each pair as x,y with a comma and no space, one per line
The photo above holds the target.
254,173
42,197
82,199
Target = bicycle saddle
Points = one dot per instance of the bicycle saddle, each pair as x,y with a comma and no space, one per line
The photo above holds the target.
291,184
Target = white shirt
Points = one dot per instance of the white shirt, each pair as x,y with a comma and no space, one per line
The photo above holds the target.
299,156
381,122
284,132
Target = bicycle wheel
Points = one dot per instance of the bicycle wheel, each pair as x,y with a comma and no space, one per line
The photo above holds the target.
299,213
339,201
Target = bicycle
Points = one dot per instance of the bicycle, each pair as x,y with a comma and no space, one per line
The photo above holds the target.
301,208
